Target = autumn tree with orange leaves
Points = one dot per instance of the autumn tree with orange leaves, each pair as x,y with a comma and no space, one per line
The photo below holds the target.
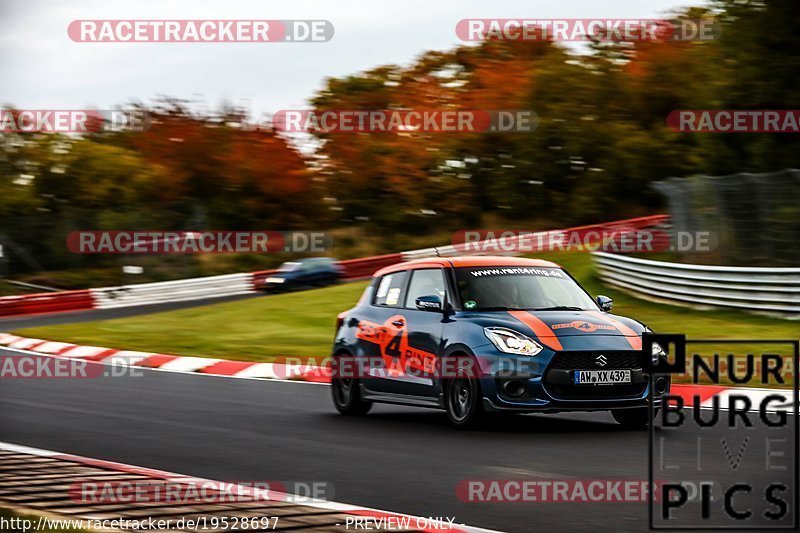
601,141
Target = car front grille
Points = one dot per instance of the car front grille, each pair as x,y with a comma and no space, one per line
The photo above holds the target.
558,378
614,360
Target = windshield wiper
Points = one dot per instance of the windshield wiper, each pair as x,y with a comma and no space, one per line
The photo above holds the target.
508,308
499,308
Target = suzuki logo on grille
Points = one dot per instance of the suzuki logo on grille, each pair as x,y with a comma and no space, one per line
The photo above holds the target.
601,360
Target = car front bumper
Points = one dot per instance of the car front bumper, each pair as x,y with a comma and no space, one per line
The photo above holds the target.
548,385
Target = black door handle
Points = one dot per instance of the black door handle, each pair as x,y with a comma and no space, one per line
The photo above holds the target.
398,323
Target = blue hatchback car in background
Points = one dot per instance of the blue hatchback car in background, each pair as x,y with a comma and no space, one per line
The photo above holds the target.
472,335
302,274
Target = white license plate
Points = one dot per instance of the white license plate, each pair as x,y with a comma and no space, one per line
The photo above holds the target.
601,377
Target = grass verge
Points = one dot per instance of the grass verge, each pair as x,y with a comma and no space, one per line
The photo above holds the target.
260,329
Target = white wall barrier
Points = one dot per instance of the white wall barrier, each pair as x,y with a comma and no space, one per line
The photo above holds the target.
775,290
173,291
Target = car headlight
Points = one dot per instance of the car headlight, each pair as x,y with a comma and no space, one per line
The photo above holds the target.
658,351
274,280
509,341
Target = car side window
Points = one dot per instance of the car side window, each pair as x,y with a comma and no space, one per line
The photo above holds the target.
390,290
425,282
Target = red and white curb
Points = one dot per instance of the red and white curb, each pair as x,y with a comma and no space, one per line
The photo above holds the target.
171,477
707,394
174,363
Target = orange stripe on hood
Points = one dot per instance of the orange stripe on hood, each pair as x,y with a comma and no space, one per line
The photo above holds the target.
542,330
633,339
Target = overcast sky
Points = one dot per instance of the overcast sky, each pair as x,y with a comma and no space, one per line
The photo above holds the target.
42,68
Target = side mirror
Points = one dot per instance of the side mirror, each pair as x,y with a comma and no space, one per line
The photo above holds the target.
605,303
429,303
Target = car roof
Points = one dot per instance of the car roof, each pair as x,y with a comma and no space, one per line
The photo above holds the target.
466,261
314,260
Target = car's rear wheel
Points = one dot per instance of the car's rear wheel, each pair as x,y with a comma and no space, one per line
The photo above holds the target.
638,418
463,401
347,396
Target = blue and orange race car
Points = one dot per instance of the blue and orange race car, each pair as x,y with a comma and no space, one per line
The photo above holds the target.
472,335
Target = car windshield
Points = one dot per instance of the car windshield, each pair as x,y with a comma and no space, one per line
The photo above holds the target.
529,288
289,266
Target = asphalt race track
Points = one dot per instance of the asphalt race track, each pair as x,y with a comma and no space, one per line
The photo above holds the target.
398,459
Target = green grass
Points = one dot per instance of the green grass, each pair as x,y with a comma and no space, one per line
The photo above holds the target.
301,324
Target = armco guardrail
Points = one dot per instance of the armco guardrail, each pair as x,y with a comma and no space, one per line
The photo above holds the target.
775,290
173,291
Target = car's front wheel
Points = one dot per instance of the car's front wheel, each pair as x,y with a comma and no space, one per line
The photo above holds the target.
638,418
347,397
463,401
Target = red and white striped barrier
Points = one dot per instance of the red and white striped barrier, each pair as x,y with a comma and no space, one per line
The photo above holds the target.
299,371
49,302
